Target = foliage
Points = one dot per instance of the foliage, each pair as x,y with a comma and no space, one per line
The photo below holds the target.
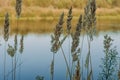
109,62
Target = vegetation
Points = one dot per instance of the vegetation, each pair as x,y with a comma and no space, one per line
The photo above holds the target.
86,24
109,62
61,3
52,8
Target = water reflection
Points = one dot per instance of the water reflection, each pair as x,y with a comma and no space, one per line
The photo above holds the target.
6,37
28,57
36,57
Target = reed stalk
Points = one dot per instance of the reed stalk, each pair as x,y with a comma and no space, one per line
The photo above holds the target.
75,37
52,68
6,37
69,26
89,20
56,43
18,9
77,75
57,33
21,44
87,23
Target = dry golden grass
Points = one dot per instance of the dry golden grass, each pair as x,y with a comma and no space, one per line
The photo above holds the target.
37,9
51,13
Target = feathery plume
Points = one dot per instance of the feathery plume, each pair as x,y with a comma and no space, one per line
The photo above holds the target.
6,27
18,7
58,31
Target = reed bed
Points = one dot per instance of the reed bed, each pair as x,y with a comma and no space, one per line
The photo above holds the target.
6,37
88,24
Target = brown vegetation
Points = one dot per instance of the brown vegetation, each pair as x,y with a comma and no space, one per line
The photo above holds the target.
37,9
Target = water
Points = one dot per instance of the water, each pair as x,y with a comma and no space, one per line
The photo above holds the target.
35,60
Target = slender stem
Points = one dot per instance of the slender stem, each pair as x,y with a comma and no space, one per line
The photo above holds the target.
12,68
81,45
69,50
52,74
82,70
90,55
72,70
15,67
66,62
5,62
20,69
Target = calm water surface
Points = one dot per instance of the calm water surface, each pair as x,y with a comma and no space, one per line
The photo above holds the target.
35,60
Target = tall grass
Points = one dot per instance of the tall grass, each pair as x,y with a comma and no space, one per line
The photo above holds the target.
6,37
87,23
12,50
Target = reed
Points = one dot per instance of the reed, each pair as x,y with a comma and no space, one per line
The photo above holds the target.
77,75
86,23
6,37
57,43
69,18
89,20
52,68
69,26
6,27
76,35
15,43
18,8
57,33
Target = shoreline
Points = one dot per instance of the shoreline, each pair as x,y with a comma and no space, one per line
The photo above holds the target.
39,13
108,17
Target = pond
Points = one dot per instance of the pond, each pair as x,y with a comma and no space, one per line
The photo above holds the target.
33,56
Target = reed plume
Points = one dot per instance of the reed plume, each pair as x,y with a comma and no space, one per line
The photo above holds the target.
89,21
69,18
55,37
76,36
15,43
6,27
77,75
18,7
